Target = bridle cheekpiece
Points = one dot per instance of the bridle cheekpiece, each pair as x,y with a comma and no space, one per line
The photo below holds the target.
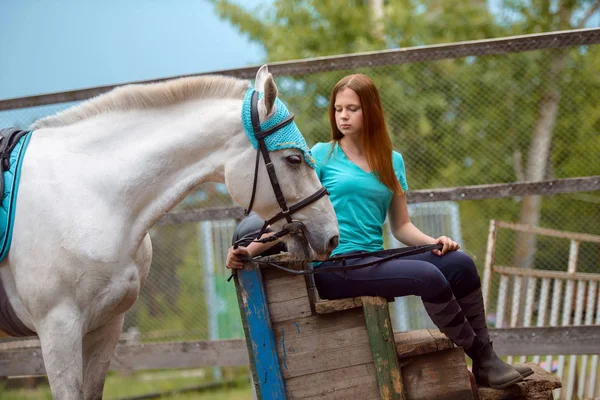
277,133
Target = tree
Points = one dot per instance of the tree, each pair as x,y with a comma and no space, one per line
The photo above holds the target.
536,16
457,122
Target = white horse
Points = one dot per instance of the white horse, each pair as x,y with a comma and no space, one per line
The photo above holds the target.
98,176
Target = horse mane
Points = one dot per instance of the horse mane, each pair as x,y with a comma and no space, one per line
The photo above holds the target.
146,96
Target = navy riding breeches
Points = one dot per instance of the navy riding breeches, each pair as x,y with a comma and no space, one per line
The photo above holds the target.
425,275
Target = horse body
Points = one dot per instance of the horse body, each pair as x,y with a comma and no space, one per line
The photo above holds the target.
81,251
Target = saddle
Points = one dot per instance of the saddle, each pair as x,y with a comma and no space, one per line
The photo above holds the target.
13,143
9,138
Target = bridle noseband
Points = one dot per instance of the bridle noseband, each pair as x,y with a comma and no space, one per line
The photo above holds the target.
286,212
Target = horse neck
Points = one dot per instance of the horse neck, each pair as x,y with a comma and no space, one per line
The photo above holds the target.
150,160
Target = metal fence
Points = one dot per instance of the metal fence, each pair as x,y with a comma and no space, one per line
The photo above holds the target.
475,113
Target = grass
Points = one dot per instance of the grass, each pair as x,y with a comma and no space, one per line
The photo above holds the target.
146,382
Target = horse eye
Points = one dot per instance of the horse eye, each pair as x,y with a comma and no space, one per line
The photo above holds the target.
294,160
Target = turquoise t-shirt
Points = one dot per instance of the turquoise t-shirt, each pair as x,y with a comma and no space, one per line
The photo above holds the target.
359,199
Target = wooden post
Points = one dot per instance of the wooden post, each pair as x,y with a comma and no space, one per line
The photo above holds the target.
381,337
264,362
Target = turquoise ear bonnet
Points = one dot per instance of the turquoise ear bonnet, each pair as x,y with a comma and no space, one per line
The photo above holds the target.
287,137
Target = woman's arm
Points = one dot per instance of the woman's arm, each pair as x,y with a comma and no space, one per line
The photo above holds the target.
410,235
253,249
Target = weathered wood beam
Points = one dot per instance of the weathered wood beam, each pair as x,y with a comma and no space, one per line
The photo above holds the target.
130,357
546,341
381,337
542,273
475,192
503,190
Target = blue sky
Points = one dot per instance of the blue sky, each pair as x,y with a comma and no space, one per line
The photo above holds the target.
56,45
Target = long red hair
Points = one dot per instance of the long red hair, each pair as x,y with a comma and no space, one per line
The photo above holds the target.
375,137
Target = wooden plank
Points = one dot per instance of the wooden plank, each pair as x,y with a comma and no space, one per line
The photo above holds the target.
542,273
180,355
290,287
586,376
441,376
576,236
332,306
511,44
302,345
356,382
542,308
490,251
305,351
515,306
424,341
264,362
381,337
554,311
324,359
270,273
312,326
535,386
570,385
502,292
550,340
191,354
442,340
567,303
593,386
504,190
290,309
317,344
474,192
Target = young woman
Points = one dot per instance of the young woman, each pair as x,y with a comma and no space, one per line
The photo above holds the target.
367,180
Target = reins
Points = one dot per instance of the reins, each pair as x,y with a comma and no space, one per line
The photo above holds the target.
383,255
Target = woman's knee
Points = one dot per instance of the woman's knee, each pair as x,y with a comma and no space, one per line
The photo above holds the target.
433,281
461,271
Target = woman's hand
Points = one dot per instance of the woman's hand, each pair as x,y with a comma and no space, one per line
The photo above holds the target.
449,245
233,257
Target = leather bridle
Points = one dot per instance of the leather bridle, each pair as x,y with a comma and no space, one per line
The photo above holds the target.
286,212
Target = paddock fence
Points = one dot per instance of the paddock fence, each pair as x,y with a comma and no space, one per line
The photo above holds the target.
502,129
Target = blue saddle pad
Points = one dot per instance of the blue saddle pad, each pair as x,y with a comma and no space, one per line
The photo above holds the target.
9,198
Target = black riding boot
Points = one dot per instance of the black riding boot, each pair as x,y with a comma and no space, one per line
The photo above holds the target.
474,310
489,369
524,370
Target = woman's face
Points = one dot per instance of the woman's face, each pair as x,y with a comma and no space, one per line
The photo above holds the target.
348,113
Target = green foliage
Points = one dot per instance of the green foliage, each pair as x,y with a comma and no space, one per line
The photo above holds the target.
457,122
141,383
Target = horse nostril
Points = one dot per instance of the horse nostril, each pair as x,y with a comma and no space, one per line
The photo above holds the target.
333,242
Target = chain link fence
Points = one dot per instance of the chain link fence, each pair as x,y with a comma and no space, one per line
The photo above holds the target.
498,111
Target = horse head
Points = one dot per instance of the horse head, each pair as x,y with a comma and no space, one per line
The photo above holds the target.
251,185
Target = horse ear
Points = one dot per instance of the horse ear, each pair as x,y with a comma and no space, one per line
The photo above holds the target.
270,94
261,77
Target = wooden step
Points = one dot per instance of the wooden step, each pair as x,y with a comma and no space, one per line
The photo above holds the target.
538,386
424,341
331,306
432,366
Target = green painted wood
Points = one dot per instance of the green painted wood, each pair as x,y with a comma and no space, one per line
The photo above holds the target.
381,337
